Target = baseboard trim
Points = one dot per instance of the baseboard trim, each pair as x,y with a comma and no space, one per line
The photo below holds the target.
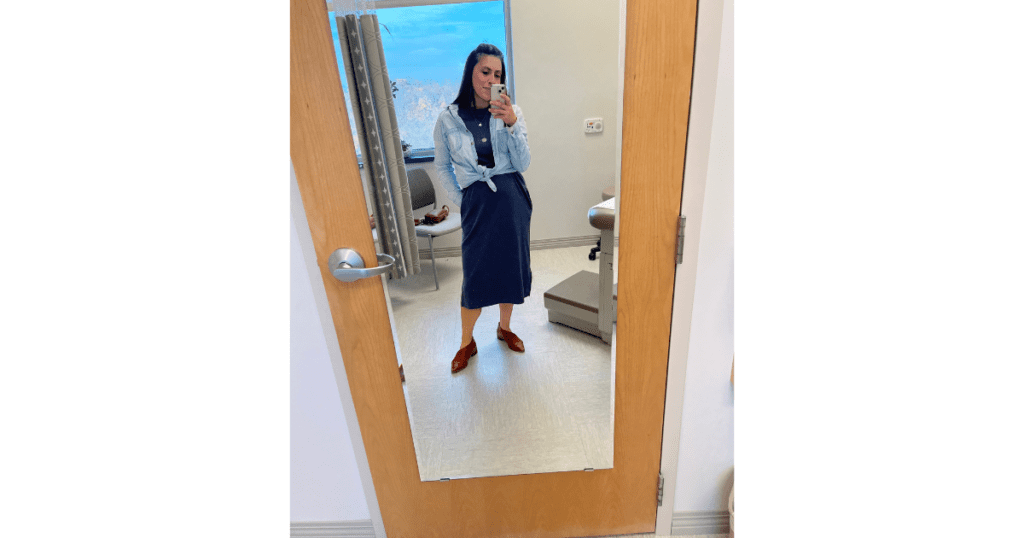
446,252
683,524
700,522
362,528
540,244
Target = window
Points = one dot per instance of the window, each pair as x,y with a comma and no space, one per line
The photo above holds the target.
425,47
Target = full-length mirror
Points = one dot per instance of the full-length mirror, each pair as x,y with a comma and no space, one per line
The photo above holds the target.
500,215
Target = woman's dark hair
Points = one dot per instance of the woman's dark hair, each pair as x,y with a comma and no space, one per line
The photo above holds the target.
465,97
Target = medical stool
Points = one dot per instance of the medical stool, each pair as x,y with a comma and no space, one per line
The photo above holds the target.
606,194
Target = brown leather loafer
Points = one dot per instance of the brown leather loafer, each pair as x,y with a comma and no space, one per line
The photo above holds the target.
511,340
461,359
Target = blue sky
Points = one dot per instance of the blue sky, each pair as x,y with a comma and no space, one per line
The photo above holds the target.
429,44
432,42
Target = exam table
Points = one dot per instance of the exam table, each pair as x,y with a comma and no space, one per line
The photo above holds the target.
586,301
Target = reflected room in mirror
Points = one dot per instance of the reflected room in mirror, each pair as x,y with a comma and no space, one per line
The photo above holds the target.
501,218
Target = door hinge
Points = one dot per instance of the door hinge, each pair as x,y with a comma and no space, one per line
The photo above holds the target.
679,243
661,488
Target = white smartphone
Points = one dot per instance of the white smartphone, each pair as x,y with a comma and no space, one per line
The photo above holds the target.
497,90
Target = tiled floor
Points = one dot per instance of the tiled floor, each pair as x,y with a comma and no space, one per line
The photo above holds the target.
546,410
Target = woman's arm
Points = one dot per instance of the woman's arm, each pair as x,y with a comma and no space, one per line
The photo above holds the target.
518,147
443,162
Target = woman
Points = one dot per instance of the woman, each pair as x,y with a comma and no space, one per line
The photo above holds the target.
480,150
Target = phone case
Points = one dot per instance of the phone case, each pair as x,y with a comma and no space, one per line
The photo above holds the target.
496,91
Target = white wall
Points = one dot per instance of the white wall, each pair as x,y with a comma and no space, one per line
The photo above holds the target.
325,482
704,472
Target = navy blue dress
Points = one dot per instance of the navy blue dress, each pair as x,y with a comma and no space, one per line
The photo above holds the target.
495,229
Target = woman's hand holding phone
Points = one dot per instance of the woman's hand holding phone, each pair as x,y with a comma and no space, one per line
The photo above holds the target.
501,105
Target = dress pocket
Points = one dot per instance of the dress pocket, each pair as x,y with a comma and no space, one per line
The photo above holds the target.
526,192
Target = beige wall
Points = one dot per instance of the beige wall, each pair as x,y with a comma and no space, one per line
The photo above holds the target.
566,66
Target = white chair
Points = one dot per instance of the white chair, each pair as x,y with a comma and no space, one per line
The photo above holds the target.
421,190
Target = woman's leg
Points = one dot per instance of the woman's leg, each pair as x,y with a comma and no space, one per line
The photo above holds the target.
513,341
466,351
506,315
469,318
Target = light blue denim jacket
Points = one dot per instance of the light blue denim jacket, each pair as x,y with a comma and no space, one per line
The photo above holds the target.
455,154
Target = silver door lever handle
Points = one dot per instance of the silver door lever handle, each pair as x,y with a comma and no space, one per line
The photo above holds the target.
347,265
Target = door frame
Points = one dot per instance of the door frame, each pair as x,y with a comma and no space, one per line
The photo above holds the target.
695,175
327,324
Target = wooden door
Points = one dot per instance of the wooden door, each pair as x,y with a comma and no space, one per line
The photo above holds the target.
621,500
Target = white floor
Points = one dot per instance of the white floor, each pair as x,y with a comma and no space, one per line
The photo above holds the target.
652,535
546,410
